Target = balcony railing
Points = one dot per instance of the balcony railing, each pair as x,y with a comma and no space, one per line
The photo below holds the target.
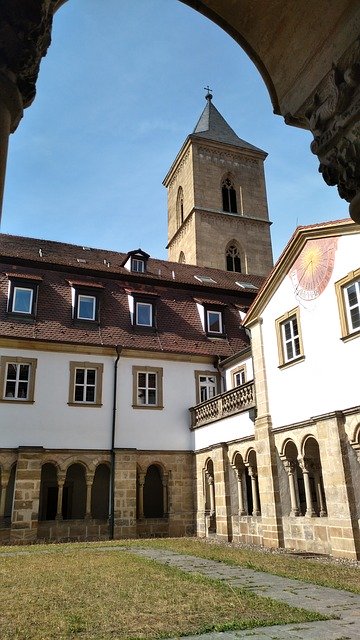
224,405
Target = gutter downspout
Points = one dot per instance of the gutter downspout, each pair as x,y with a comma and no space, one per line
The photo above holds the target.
112,464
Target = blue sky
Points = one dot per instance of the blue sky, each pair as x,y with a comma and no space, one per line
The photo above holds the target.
118,92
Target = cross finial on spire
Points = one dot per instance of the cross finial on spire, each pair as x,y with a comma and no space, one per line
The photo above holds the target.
208,94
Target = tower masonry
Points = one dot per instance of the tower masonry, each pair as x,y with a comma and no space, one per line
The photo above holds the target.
217,205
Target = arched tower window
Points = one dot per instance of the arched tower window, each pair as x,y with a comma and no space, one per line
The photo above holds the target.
182,257
233,261
228,196
180,207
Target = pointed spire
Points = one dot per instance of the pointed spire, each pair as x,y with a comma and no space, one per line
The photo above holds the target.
212,126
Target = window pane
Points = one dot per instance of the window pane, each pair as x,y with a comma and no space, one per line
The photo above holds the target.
214,321
152,396
11,372
90,394
289,351
144,314
152,380
352,295
79,394
86,307
22,390
287,331
91,376
142,380
22,301
10,390
24,372
80,376
355,318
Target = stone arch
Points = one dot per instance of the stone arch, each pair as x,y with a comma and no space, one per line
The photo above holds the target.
296,491
154,500
181,259
238,485
49,491
310,464
100,492
209,496
74,492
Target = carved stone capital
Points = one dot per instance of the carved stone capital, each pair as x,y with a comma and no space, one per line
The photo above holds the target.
333,116
290,466
25,35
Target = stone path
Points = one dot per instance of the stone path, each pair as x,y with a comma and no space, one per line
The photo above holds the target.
326,601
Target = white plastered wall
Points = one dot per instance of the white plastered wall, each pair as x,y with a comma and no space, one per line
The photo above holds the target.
327,378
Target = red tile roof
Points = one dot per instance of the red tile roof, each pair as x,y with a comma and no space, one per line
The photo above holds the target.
179,328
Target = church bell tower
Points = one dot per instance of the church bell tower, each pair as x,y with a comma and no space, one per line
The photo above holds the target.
217,206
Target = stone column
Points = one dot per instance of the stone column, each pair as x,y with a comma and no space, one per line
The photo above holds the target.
165,494
239,478
141,481
210,481
290,468
254,491
5,475
319,493
61,482
305,467
89,483
25,36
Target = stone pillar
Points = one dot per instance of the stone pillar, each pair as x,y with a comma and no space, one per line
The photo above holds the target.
266,457
125,493
222,505
319,493
254,491
25,36
10,114
305,466
290,468
89,483
61,482
342,518
165,494
210,481
25,514
140,507
5,475
239,478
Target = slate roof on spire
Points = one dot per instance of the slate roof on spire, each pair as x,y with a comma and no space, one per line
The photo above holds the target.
212,126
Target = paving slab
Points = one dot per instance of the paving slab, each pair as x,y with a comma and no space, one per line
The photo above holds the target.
342,604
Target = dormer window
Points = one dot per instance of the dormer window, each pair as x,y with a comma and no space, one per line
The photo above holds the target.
23,296
86,307
144,313
136,261
214,322
86,300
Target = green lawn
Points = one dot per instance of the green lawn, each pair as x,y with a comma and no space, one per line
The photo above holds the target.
78,591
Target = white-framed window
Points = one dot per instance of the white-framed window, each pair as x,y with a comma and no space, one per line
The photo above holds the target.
239,376
352,305
22,301
17,379
144,314
137,265
207,385
86,307
214,322
289,337
22,297
85,387
147,387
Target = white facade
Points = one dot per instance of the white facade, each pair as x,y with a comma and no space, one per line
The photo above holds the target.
325,380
